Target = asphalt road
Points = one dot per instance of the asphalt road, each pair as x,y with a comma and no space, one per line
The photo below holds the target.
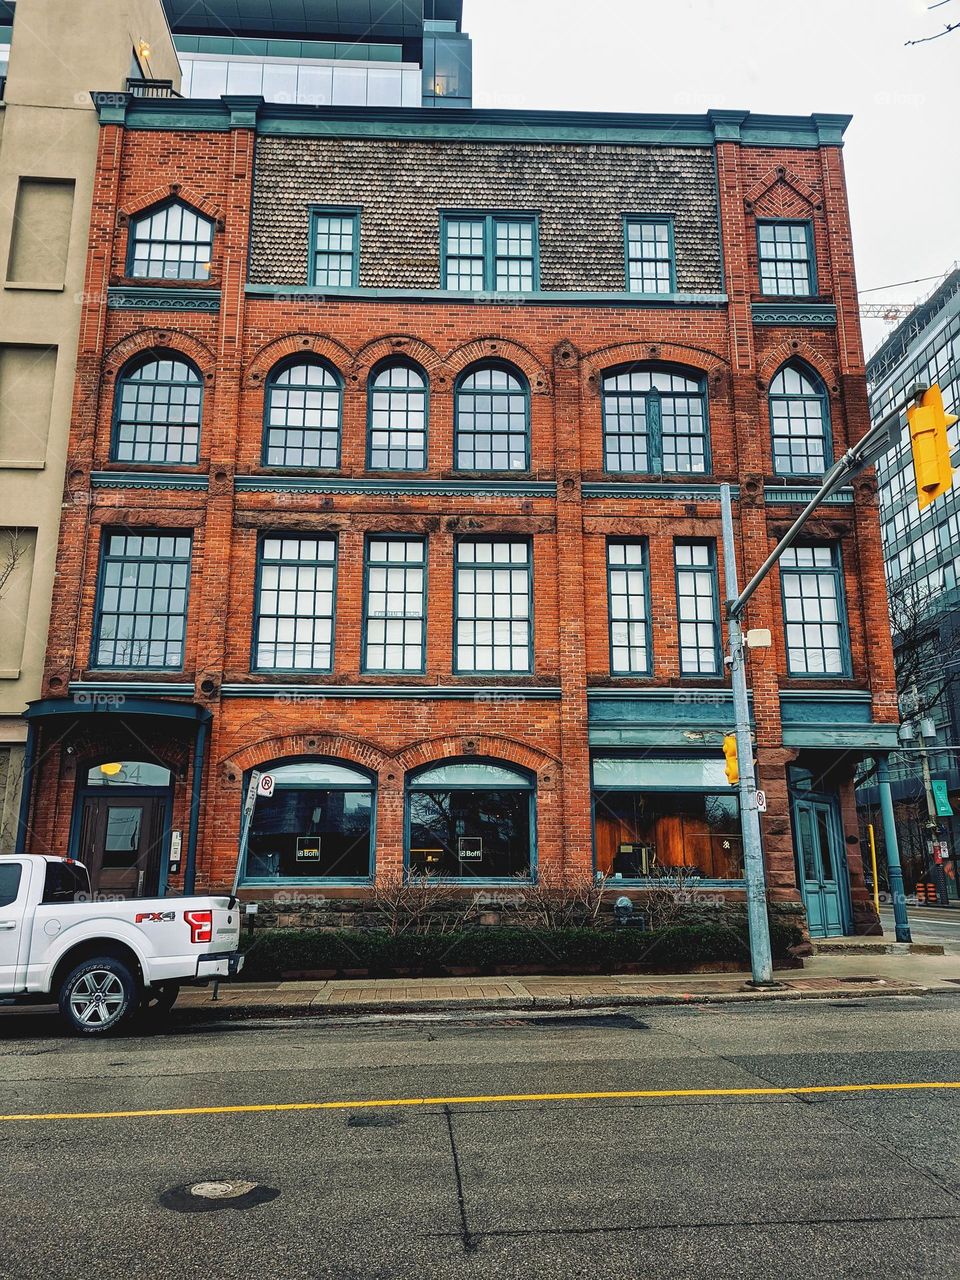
746,1184
927,924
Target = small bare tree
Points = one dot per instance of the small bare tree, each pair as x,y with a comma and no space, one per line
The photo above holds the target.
560,899
13,549
411,903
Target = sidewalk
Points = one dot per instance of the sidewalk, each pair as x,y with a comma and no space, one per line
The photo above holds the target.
822,977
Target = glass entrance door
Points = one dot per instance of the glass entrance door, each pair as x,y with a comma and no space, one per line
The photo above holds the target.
822,868
121,843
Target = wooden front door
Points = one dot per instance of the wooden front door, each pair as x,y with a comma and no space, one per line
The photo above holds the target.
121,843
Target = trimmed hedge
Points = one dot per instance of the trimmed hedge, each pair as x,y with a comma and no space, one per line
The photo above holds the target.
273,954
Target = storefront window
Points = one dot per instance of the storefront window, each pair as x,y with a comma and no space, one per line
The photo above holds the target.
317,823
657,817
470,820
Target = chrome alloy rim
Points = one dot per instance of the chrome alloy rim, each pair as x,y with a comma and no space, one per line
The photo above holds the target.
97,997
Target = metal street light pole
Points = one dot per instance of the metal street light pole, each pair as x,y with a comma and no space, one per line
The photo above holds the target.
761,962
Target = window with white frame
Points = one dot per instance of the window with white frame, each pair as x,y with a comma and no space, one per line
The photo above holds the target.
394,609
494,606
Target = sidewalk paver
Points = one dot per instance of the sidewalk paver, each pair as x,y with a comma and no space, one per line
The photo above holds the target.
823,975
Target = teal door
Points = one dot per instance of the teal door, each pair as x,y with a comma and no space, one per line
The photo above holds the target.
821,868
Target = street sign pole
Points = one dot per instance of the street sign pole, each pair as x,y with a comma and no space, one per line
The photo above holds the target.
761,962
250,800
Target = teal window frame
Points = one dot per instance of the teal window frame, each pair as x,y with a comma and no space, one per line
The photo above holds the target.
657,220
818,396
399,407
349,213
295,562
132,562
490,257
833,571
488,432
171,248
459,667
348,786
612,400
629,569
160,397
668,786
399,568
707,567
278,370
810,260
526,781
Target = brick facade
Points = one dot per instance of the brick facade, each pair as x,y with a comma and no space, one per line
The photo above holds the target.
541,722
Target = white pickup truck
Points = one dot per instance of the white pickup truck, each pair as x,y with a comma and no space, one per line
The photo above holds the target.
101,961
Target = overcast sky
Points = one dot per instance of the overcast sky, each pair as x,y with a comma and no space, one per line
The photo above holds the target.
902,151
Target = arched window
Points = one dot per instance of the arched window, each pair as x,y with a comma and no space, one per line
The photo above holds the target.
302,416
397,418
799,422
471,819
655,420
173,242
316,824
157,409
492,429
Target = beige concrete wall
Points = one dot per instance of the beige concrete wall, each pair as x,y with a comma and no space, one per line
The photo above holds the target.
48,145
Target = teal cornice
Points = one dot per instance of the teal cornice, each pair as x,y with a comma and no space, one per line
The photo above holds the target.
847,737
304,293
315,689
786,495
590,127
162,298
789,313
652,489
83,692
147,480
397,488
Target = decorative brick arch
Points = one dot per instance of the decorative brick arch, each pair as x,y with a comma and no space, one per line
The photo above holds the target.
494,348
460,746
796,349
173,191
145,340
335,746
298,344
595,363
399,346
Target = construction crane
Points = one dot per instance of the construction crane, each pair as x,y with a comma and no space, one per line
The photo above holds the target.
891,312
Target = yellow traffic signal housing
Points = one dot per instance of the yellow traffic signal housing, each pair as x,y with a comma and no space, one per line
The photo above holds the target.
733,765
928,422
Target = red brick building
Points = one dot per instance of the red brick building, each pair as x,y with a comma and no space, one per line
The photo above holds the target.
395,470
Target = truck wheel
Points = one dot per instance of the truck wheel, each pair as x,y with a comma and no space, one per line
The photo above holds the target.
158,1001
97,995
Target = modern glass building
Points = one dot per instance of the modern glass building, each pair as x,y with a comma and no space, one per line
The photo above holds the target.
378,53
922,554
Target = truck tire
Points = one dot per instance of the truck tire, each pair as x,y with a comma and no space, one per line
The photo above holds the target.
98,995
158,1001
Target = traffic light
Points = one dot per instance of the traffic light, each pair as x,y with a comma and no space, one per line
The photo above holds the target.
928,422
733,765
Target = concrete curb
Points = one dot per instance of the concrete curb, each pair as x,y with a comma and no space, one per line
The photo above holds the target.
240,1013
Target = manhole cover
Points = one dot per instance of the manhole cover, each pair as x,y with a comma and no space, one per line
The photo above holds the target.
217,1193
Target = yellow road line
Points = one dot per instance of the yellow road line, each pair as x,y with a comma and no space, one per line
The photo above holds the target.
598,1095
